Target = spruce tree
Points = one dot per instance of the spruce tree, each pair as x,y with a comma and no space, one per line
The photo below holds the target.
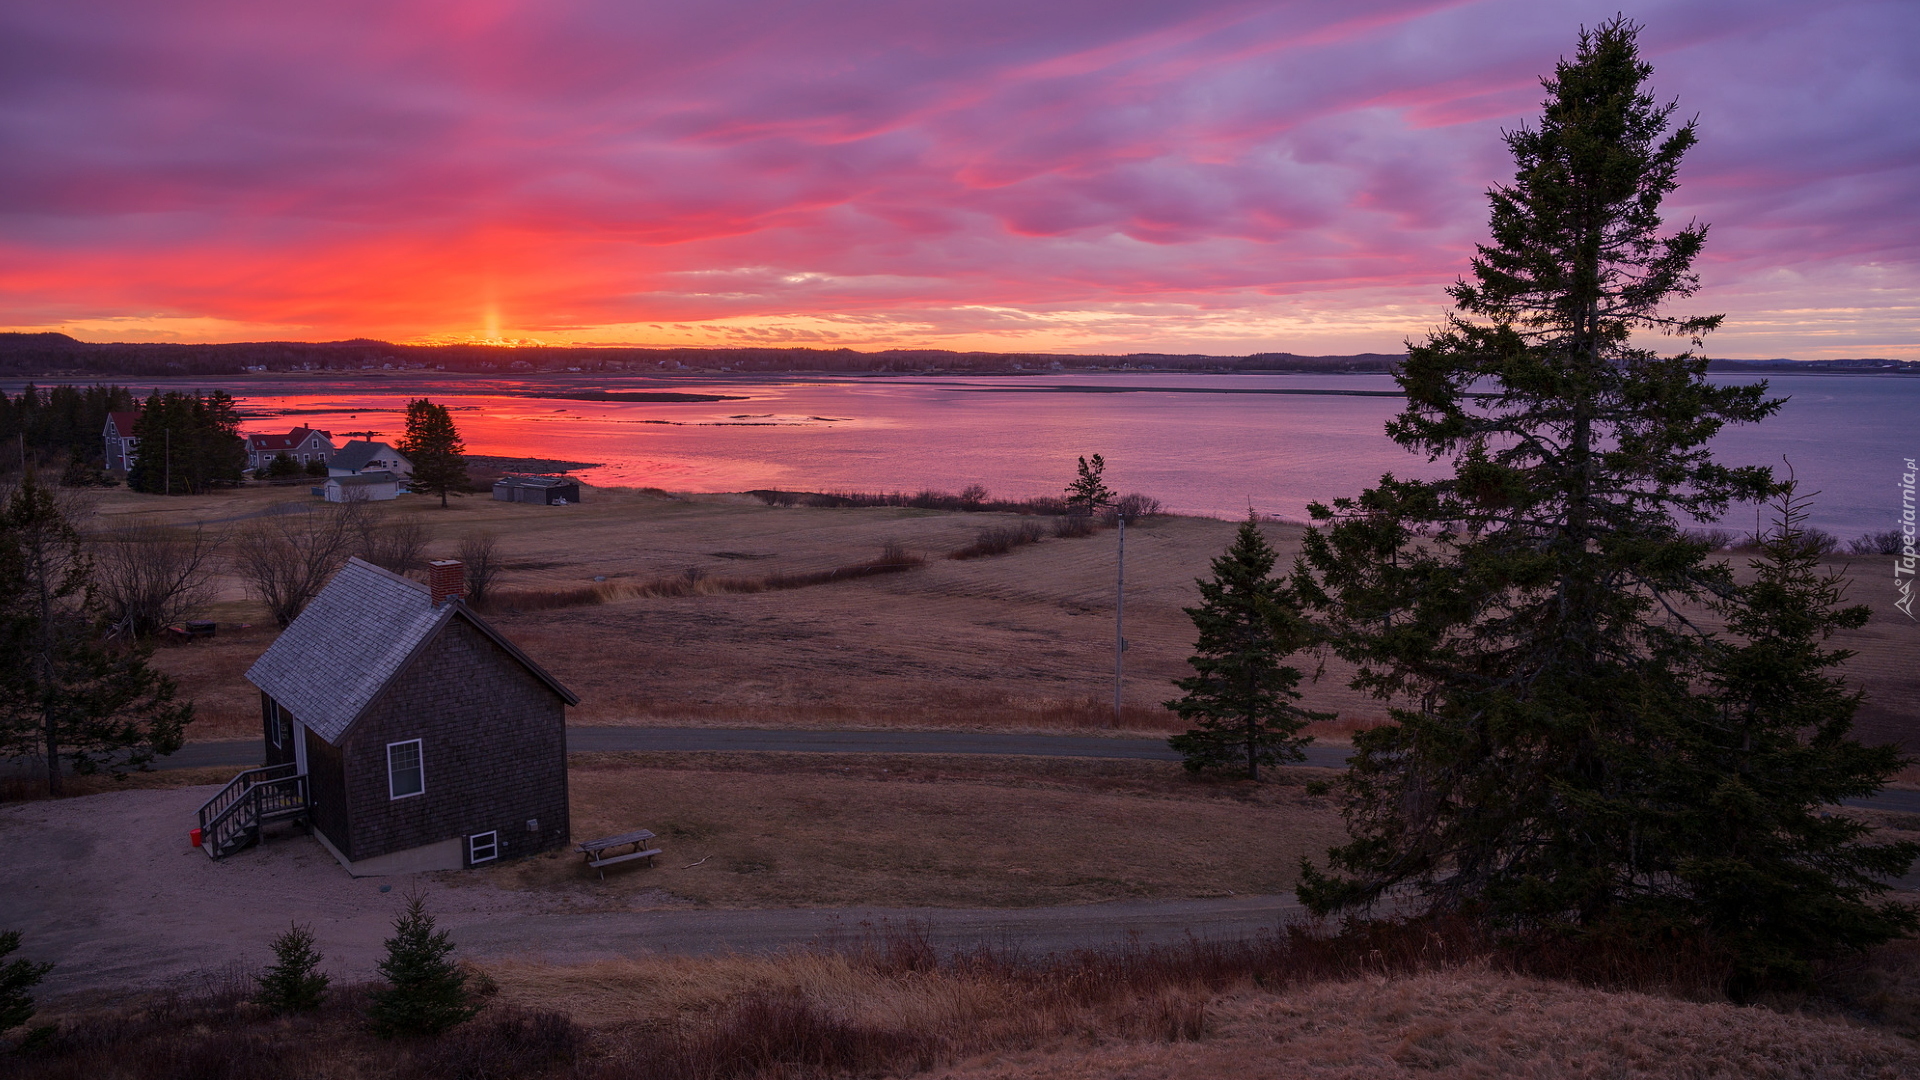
434,446
17,980
292,984
67,694
1525,618
426,992
1240,699
1742,841
188,444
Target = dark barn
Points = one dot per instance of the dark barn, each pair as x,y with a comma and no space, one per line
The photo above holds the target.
422,739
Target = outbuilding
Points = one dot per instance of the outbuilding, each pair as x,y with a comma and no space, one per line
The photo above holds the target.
410,733
550,490
362,487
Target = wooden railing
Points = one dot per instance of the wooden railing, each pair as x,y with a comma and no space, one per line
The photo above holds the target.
248,799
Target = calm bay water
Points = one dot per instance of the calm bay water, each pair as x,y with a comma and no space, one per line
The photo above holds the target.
1204,444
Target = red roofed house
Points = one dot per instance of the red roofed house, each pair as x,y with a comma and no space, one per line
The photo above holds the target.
301,444
120,440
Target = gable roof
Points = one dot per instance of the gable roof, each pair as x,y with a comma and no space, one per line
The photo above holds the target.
365,478
292,439
354,639
123,423
356,455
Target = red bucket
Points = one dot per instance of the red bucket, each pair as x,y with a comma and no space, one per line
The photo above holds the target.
195,837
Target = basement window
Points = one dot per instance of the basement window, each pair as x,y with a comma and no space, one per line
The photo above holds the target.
483,847
405,772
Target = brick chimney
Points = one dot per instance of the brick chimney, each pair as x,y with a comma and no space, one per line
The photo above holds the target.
446,580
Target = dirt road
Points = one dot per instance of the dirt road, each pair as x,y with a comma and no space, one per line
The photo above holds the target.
108,888
245,753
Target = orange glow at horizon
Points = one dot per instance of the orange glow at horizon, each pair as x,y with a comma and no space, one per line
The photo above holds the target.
1073,177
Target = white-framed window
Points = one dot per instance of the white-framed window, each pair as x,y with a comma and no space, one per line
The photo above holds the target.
406,773
483,847
273,725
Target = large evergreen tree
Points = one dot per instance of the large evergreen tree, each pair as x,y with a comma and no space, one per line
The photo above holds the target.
433,445
65,692
1525,616
188,443
1240,698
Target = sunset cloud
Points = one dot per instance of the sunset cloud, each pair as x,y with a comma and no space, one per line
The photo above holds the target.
1080,176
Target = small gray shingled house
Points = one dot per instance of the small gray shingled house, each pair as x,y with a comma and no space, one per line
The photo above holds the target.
427,739
366,457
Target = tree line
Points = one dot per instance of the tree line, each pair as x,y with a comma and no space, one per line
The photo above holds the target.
1571,753
57,424
188,444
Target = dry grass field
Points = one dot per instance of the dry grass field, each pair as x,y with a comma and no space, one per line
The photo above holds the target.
1021,641
1418,1004
806,830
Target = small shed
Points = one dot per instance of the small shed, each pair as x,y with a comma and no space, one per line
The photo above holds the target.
363,487
426,739
550,490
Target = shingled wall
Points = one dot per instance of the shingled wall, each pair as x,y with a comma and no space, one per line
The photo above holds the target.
493,742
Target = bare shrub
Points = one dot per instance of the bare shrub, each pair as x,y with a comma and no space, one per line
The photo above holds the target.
480,555
1817,541
149,577
397,543
1000,539
973,497
522,600
1135,507
765,1034
1714,539
893,559
285,560
506,1044
1877,543
1821,541
1073,525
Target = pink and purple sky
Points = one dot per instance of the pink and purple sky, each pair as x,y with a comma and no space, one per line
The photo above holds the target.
1071,175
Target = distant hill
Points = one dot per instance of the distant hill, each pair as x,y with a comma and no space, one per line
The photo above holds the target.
52,354
55,354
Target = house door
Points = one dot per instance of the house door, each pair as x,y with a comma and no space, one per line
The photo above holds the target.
300,747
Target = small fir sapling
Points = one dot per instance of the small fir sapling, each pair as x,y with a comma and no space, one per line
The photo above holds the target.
426,993
17,980
292,985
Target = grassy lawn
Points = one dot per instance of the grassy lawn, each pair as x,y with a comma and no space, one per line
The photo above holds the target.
802,830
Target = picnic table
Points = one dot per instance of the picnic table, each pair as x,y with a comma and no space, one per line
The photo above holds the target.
596,850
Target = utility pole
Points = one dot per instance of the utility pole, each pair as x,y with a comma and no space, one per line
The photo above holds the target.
1120,619
168,464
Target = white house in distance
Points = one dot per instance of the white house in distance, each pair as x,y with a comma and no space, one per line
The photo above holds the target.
120,440
301,444
360,457
360,487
